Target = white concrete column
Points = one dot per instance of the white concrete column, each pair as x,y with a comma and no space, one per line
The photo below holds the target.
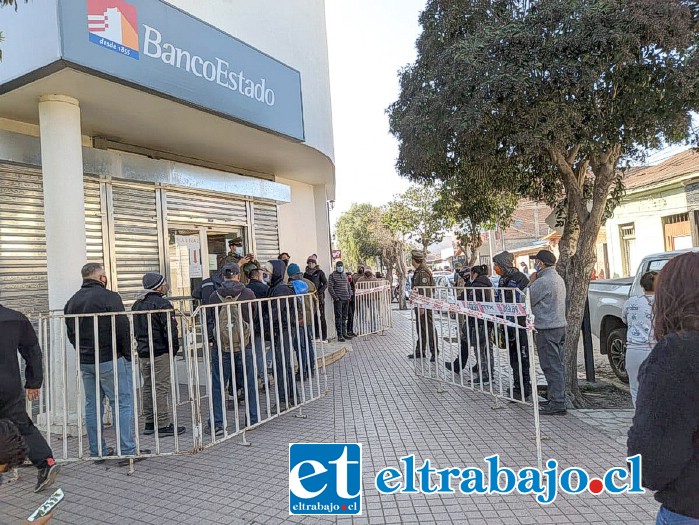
66,252
64,198
324,249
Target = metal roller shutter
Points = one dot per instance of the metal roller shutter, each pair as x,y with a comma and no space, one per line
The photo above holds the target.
266,231
135,237
93,221
23,285
202,209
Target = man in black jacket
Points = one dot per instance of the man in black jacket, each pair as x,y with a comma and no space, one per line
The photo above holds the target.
511,284
98,358
18,335
341,292
317,276
155,358
282,319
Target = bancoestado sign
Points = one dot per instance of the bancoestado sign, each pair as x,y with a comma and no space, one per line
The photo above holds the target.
152,45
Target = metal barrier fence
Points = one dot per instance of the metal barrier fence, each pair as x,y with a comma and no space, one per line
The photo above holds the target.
372,310
480,339
192,381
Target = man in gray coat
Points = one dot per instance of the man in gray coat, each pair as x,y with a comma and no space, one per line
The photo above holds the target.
547,292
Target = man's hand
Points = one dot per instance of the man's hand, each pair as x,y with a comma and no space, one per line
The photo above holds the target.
533,277
33,393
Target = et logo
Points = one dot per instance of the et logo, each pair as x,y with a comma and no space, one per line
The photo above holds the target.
325,478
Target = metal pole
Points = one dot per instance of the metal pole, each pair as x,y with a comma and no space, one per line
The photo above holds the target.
587,345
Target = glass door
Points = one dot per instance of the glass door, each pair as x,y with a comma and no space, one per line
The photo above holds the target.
185,258
221,247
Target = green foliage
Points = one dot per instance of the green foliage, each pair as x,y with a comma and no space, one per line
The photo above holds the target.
543,99
413,215
353,234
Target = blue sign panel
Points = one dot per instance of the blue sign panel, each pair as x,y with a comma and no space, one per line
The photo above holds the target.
150,44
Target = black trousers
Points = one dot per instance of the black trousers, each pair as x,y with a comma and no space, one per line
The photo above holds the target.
350,315
341,311
15,410
523,350
477,337
322,329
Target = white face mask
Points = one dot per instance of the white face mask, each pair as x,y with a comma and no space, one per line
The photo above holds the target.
239,250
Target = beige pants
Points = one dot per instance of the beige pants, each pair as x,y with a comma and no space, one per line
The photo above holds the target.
161,372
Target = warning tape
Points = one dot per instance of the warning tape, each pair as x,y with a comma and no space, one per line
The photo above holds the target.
477,310
365,291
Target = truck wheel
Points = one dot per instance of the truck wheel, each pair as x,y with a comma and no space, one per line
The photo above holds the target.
616,352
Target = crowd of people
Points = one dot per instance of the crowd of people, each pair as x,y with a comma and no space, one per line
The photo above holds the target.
662,361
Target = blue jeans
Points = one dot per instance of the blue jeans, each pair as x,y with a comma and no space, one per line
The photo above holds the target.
107,388
666,517
216,382
300,345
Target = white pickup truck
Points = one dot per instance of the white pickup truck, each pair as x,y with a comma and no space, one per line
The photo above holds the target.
606,301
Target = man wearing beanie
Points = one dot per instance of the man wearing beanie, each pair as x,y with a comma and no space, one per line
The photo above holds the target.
512,282
315,274
155,359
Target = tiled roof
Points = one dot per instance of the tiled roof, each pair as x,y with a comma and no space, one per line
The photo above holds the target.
685,163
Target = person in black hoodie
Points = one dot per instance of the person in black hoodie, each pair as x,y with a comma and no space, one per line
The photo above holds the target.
18,336
262,335
317,276
155,359
511,284
97,362
281,320
665,430
474,332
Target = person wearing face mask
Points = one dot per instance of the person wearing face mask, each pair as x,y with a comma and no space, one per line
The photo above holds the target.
317,276
511,283
341,293
96,354
154,341
547,292
235,252
423,282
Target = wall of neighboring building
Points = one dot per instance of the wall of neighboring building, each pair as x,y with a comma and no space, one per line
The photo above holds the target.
645,212
297,223
292,31
692,190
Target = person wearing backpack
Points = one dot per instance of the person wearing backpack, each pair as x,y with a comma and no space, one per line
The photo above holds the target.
233,333
306,309
282,319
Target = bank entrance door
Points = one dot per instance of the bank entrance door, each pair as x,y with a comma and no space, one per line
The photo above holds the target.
195,253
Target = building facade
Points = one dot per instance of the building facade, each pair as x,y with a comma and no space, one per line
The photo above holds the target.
145,135
655,215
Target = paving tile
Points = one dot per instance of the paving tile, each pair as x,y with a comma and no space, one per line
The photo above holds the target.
375,397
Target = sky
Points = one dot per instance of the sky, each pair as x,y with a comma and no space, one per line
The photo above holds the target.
368,42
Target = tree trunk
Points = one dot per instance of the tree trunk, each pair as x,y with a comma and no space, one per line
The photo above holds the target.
580,264
474,245
568,244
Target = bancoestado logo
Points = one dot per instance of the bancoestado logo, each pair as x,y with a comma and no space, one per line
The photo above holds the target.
327,479
113,24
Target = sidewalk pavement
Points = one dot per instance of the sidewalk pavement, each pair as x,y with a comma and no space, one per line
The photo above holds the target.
374,398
